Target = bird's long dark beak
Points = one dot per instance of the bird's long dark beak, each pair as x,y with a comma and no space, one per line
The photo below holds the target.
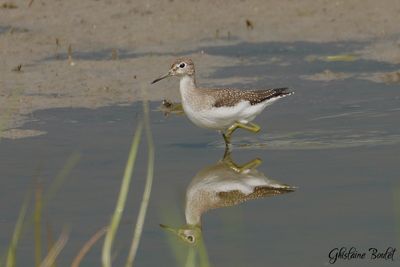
161,78
168,228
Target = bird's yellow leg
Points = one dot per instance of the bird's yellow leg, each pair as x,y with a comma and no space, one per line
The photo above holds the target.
252,127
169,107
227,141
251,164
240,168
178,108
228,133
248,126
227,152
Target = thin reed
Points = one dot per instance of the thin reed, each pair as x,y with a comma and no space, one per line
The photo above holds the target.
123,194
36,219
147,190
38,223
50,240
42,197
11,253
87,246
55,250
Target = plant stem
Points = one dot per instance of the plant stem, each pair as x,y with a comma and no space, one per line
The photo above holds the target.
147,190
116,218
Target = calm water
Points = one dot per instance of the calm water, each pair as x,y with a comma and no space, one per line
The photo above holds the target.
337,141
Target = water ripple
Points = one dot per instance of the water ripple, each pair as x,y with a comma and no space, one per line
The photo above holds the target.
316,139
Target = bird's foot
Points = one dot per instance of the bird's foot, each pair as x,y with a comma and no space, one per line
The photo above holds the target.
253,164
240,168
168,107
252,127
248,126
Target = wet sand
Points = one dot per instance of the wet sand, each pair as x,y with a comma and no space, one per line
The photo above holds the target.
117,47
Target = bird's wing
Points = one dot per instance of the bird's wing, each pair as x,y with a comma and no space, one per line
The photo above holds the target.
235,197
230,97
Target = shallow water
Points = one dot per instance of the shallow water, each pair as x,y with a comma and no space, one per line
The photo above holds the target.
338,142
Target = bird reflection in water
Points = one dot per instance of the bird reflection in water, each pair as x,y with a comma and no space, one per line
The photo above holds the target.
222,185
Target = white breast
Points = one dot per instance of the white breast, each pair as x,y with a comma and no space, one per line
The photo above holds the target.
198,108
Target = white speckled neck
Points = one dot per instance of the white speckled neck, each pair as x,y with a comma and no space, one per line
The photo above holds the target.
187,83
193,213
189,93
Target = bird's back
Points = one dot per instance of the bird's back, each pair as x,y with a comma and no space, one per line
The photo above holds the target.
227,97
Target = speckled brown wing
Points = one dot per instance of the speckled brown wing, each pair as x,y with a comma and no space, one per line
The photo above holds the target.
230,97
236,197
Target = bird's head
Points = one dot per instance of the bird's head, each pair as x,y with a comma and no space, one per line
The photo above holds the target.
190,234
180,67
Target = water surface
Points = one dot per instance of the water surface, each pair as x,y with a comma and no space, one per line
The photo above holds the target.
337,141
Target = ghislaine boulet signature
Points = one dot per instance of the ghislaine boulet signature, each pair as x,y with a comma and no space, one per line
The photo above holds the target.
352,253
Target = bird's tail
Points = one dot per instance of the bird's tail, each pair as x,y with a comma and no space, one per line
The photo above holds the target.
281,92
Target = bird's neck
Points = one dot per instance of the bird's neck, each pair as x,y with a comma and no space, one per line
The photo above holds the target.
187,88
187,83
193,212
193,99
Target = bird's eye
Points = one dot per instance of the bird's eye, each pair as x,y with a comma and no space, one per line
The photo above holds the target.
182,65
190,238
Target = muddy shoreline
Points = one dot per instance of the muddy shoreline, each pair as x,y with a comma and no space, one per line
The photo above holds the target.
98,53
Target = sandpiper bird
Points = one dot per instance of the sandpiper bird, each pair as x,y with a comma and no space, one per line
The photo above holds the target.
222,185
222,109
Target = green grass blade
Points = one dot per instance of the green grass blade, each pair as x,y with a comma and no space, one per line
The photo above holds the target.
58,181
191,258
37,224
116,218
203,255
147,190
50,241
171,215
21,224
87,246
55,250
11,253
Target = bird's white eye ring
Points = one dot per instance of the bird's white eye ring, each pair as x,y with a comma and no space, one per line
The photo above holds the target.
182,65
190,238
